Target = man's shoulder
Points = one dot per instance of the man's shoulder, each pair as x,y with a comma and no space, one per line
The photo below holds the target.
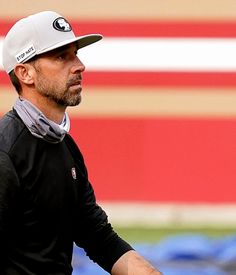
11,128
72,145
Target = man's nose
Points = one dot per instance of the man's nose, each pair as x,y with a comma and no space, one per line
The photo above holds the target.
78,66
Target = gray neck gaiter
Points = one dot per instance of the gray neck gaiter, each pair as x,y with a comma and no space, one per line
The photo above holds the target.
39,125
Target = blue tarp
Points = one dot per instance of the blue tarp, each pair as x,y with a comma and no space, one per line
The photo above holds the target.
185,254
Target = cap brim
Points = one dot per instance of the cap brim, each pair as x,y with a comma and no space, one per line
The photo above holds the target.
86,40
83,41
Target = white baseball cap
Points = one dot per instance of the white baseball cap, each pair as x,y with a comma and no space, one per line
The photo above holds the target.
37,34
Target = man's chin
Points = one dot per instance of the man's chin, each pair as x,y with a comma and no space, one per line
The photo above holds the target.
74,102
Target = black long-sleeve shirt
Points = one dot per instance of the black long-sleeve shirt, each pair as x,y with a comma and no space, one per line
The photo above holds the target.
46,205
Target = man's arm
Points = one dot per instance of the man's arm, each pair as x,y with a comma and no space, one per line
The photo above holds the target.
131,263
9,184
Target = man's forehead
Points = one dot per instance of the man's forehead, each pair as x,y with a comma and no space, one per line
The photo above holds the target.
71,46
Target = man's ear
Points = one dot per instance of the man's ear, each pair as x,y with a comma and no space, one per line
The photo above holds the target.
25,73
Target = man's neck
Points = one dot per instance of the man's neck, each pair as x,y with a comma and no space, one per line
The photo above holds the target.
49,108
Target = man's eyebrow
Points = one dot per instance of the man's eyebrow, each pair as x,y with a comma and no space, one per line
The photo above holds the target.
62,50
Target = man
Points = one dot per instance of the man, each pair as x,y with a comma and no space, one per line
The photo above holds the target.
46,201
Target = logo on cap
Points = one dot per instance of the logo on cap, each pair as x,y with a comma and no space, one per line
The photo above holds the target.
61,24
26,53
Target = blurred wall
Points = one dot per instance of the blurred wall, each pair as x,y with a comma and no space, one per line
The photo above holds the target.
158,117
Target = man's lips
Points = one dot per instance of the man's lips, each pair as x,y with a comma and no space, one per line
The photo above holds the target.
75,83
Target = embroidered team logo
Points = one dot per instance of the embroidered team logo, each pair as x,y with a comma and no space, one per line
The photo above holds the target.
73,173
61,24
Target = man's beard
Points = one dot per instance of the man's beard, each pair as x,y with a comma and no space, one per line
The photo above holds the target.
61,93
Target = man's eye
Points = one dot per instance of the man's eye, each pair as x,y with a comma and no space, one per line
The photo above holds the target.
62,56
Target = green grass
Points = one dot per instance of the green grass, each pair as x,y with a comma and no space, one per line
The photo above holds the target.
144,234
